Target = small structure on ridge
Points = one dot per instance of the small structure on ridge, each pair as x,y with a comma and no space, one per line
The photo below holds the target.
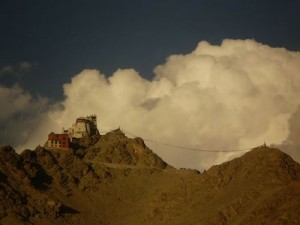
84,126
58,141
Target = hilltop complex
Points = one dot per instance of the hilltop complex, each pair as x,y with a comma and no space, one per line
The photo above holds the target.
84,126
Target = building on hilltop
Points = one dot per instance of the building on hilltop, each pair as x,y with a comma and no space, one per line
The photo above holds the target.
84,126
58,141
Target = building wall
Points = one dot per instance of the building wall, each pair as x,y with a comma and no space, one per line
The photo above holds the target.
79,130
58,140
84,126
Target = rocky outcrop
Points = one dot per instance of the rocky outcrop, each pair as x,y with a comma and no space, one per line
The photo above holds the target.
116,148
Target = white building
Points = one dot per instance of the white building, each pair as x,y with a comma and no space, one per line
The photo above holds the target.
84,126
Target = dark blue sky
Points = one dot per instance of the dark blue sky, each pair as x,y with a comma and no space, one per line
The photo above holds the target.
61,38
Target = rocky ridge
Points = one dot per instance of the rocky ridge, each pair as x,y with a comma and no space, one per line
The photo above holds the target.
112,179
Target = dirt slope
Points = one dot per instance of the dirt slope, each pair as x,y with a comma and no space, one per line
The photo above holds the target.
112,179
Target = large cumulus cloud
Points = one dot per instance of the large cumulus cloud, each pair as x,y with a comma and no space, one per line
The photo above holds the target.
233,96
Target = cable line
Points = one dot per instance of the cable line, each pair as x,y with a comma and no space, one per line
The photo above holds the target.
188,148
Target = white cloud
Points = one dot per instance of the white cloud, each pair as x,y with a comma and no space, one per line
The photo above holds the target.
292,144
19,115
232,96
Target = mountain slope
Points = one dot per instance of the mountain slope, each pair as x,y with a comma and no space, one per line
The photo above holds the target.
112,179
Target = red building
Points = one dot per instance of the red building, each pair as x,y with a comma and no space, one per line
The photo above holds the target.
58,140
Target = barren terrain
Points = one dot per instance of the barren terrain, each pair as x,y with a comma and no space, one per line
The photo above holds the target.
111,179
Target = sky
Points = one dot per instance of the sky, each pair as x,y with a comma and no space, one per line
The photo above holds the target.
205,73
60,38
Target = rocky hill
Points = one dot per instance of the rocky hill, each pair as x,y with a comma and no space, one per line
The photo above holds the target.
111,179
